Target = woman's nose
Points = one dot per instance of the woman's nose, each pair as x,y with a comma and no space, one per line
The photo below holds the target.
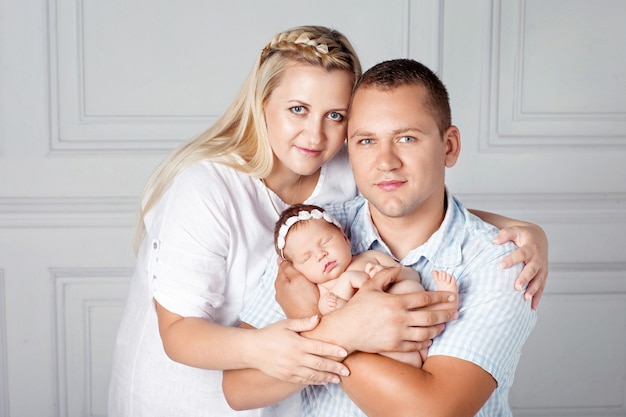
314,130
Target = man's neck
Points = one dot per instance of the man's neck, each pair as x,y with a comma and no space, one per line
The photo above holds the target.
403,234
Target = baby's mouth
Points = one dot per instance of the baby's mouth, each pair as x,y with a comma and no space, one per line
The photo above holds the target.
329,265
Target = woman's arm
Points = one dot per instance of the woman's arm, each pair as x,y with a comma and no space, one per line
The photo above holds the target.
245,389
532,249
276,350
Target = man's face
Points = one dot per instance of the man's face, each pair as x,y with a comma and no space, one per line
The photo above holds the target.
396,150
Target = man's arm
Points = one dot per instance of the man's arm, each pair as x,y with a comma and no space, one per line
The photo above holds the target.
467,361
444,386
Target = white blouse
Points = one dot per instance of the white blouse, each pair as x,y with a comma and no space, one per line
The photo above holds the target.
207,243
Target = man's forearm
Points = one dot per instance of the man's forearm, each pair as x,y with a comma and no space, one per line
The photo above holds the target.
445,386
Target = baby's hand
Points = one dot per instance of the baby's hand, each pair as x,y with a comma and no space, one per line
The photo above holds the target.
372,269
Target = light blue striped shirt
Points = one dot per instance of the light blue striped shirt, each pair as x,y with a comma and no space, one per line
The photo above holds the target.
494,320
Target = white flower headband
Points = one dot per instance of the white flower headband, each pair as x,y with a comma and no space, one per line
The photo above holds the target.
302,215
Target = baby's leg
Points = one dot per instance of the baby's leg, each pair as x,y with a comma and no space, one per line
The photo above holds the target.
445,282
404,287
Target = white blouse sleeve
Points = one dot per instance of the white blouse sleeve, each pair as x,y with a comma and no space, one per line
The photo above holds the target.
190,241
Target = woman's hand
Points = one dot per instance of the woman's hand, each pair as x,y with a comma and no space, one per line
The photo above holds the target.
532,249
279,351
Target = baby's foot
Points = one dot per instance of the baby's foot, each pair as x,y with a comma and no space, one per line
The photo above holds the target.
445,282
331,301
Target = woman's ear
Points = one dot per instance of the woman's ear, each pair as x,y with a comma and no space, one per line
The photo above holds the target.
452,144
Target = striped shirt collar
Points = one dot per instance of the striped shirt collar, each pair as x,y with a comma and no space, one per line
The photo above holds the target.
443,248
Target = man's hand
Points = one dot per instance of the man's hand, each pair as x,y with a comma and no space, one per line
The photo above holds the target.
297,296
375,321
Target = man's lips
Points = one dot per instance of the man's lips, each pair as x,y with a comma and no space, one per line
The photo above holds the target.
329,265
390,185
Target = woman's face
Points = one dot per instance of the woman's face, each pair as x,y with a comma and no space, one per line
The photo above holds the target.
306,117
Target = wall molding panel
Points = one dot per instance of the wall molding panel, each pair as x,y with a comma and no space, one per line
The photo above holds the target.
59,212
105,95
546,383
25,212
73,126
590,208
4,370
424,33
88,306
532,100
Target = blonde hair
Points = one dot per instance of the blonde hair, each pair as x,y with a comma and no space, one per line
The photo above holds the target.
239,138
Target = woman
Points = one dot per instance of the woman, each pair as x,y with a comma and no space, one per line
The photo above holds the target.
205,234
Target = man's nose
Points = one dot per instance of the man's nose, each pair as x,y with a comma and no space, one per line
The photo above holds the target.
387,158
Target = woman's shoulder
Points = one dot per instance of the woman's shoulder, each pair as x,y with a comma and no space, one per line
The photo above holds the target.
199,173
208,183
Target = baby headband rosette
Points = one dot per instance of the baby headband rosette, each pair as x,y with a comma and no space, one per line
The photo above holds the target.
302,215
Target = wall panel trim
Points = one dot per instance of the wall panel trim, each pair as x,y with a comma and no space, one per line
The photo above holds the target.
58,212
4,370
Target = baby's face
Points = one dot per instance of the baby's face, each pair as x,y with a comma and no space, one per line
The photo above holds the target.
318,249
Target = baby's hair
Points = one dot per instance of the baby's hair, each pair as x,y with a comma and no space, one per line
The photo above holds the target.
293,217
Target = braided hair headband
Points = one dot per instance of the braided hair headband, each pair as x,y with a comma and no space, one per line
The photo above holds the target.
303,39
302,215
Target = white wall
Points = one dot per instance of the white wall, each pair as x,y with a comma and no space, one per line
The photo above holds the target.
93,94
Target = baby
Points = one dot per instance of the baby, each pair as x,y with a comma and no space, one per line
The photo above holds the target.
314,242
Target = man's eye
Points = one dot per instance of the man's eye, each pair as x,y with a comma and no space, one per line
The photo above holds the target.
407,139
365,141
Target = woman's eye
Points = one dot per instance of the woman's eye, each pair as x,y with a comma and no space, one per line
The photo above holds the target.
298,109
338,117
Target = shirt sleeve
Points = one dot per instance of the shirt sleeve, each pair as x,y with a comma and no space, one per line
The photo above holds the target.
261,308
190,243
494,321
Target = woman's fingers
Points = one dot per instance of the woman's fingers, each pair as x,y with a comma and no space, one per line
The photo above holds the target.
283,354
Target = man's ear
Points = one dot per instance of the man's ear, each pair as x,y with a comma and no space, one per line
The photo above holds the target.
452,144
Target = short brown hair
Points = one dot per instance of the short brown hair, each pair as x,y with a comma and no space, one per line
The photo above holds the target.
399,72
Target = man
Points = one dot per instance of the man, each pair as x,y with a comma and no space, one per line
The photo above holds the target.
400,141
